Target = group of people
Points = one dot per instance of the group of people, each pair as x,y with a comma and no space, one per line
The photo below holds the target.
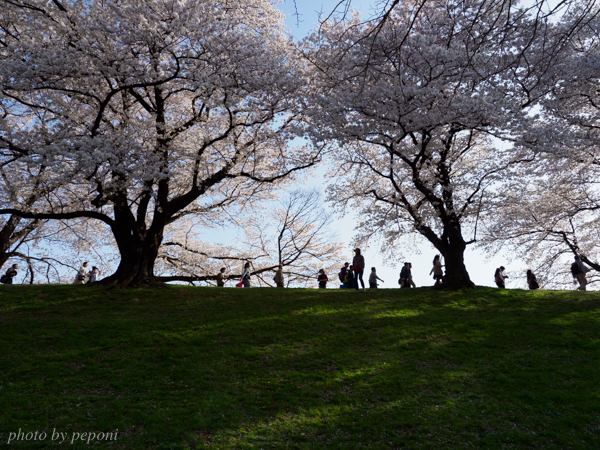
84,276
578,270
349,275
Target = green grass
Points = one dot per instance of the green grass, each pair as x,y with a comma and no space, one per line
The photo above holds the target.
181,367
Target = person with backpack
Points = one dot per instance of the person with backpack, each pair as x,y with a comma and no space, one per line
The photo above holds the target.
531,280
342,275
358,267
221,277
499,277
81,276
578,270
406,280
322,279
246,275
349,280
7,278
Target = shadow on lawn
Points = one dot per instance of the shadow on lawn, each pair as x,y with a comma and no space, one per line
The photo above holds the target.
382,370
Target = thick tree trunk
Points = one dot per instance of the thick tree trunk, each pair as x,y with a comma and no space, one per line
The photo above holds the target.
457,276
136,266
6,238
138,249
3,259
453,251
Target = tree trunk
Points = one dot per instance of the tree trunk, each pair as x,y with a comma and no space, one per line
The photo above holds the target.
6,235
457,276
136,266
453,251
3,259
138,249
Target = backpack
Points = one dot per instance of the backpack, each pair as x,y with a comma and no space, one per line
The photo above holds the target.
341,277
3,279
497,277
575,269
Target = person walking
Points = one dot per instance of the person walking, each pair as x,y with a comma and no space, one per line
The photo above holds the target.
578,270
373,279
7,278
81,276
93,275
278,278
322,279
436,270
358,267
406,280
246,275
531,280
221,277
499,277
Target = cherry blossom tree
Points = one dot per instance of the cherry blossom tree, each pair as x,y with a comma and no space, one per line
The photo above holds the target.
148,111
427,104
546,220
549,211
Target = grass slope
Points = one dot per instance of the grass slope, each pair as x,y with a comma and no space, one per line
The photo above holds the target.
183,367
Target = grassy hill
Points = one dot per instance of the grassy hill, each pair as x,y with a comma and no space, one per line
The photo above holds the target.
182,367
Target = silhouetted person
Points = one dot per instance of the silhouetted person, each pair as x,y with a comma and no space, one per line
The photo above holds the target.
531,281
7,278
578,270
322,279
436,270
499,277
358,266
221,277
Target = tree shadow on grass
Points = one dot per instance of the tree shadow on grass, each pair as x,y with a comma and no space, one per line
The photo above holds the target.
385,370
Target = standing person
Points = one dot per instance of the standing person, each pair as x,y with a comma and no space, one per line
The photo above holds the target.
7,278
278,279
531,281
436,270
499,277
343,274
246,275
358,266
93,275
81,276
578,270
322,279
373,279
221,277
